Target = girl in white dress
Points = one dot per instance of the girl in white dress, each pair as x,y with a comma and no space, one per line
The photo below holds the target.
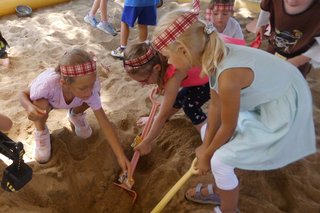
260,112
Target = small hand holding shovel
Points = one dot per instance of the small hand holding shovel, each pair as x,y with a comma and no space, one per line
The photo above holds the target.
126,181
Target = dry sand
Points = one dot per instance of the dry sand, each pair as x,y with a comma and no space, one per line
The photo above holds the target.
80,175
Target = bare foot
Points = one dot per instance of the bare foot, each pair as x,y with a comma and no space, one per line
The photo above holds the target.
142,121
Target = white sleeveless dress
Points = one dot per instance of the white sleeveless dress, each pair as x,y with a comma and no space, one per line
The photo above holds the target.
275,125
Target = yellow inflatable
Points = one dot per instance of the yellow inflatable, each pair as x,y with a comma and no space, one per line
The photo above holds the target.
9,6
251,5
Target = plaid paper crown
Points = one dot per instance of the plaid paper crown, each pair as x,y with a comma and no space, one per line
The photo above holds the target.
178,27
138,62
78,69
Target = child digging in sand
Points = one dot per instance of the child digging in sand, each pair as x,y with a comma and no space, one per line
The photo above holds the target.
72,85
147,66
253,117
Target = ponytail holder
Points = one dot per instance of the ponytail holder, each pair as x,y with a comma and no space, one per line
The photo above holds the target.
148,42
209,28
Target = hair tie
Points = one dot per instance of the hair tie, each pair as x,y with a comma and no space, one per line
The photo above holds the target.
148,42
209,28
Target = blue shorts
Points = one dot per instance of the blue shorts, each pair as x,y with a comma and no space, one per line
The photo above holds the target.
145,15
191,100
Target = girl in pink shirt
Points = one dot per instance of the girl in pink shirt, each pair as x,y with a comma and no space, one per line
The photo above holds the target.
181,89
72,85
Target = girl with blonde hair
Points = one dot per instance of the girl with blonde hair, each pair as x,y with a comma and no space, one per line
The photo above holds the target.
260,105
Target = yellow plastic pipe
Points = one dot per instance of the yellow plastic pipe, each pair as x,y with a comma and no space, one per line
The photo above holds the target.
165,200
9,6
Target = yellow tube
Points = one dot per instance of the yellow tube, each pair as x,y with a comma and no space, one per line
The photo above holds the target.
9,6
165,200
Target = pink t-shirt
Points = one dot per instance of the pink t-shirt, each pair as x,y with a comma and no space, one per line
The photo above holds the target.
193,78
47,86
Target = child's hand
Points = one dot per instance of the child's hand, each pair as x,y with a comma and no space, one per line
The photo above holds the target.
142,121
299,60
144,148
160,91
203,161
35,113
261,31
124,163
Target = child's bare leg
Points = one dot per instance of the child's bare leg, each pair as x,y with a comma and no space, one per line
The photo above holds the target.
103,10
143,32
44,105
80,109
229,200
95,7
124,34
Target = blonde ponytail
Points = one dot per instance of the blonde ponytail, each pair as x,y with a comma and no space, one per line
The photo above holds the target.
213,54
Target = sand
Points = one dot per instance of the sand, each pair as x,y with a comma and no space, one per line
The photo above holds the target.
80,175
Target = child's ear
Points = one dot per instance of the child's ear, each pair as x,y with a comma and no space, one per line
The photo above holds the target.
182,50
63,82
157,68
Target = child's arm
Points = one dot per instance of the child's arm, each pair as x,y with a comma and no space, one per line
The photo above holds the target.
5,123
312,55
113,140
214,118
34,112
166,110
299,60
262,23
227,103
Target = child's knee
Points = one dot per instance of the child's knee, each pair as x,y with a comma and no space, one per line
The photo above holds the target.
224,175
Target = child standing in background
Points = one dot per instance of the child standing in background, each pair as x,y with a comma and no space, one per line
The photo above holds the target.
295,32
103,25
251,125
145,11
219,12
72,85
182,89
